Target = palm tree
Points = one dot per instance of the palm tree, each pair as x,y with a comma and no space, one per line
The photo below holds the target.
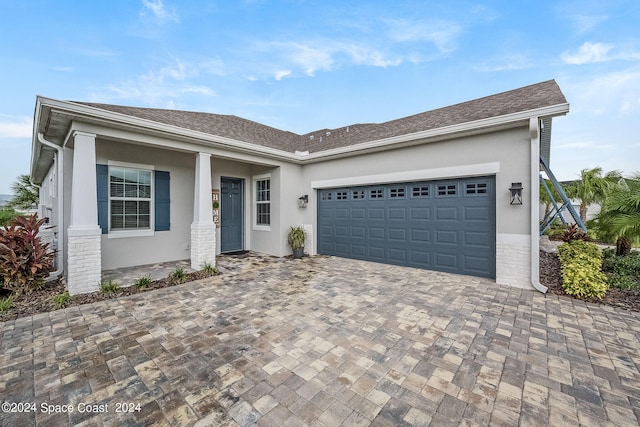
620,215
25,193
592,188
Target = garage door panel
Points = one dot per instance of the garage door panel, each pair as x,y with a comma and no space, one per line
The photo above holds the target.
447,214
476,213
377,253
447,261
397,213
376,233
421,258
447,237
358,213
446,225
376,213
420,213
358,231
396,254
398,234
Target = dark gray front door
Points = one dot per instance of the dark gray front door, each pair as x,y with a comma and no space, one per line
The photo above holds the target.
231,214
446,225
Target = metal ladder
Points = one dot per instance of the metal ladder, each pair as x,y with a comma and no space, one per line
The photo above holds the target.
557,209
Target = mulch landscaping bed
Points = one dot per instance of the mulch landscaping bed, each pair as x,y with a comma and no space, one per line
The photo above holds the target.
39,301
551,277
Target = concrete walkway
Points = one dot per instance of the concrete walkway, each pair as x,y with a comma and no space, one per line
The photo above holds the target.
324,342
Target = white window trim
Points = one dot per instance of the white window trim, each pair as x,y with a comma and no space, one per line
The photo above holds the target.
254,202
119,234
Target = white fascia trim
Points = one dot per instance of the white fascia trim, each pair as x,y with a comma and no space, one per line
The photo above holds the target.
503,120
479,169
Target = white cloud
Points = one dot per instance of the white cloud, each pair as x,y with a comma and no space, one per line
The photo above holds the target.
442,34
508,63
279,75
617,92
159,87
157,9
16,127
588,53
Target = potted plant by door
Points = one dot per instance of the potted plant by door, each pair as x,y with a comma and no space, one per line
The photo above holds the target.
295,238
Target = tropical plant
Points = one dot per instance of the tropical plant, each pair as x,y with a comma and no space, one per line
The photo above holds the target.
592,188
296,236
6,303
619,218
109,287
209,269
179,275
581,266
60,300
25,261
25,193
573,232
142,282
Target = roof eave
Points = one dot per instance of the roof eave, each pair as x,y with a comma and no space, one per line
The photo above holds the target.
446,132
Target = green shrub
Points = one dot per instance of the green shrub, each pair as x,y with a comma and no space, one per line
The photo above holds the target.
109,287
209,269
25,261
60,300
6,303
143,282
622,271
581,265
178,275
7,215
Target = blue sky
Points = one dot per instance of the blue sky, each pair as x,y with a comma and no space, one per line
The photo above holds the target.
306,65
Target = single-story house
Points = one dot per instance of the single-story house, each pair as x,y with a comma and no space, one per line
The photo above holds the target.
129,186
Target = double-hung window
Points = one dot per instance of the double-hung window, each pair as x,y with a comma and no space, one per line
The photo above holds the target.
130,198
263,201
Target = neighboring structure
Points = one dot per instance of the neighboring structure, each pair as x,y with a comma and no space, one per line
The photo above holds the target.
130,186
5,200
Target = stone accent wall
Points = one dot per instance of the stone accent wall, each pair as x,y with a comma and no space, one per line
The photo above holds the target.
309,244
83,262
513,260
203,245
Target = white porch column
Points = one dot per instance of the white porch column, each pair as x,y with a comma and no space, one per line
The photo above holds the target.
203,229
83,251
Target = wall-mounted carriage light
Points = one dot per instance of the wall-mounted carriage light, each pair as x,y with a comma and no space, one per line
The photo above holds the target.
303,200
516,193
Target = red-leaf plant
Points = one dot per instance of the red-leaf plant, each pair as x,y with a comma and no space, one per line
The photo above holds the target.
25,261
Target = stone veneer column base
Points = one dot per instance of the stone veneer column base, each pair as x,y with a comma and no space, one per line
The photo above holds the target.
203,245
84,260
513,260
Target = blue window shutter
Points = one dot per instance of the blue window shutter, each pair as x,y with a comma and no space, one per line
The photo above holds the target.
102,180
162,206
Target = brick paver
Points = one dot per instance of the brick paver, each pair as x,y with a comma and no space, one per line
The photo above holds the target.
324,342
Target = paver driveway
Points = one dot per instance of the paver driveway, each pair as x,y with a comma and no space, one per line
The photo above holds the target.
325,341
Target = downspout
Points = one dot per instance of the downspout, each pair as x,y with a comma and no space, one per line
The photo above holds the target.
60,178
534,132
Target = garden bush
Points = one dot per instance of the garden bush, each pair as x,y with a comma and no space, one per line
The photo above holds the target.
581,265
622,271
25,262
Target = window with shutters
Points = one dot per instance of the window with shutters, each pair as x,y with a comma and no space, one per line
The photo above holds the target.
130,198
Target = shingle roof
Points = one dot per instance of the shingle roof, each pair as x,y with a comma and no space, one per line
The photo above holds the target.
531,97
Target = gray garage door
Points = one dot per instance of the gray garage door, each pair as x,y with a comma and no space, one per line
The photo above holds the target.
444,225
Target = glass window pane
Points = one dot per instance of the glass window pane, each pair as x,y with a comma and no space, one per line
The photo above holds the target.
144,191
144,221
116,190
117,207
130,221
144,208
117,222
130,190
